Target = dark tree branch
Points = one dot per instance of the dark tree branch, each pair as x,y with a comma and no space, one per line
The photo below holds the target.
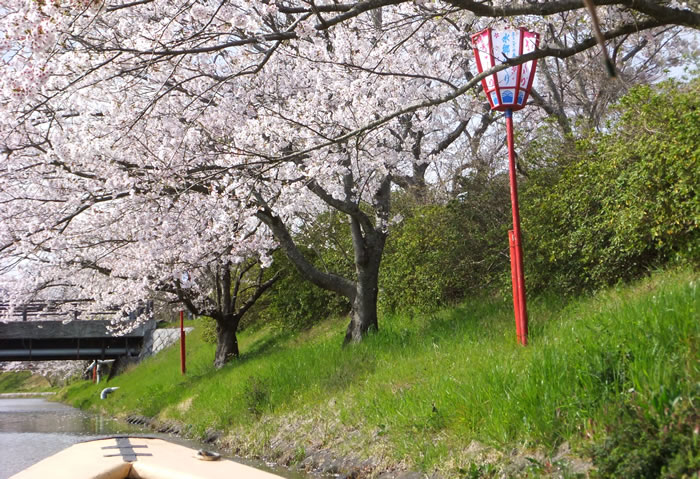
328,281
654,9
346,206
240,273
114,8
449,139
260,289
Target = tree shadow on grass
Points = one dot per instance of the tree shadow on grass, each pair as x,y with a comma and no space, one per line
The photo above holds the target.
262,346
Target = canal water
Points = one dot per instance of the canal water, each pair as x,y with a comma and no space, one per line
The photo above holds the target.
32,429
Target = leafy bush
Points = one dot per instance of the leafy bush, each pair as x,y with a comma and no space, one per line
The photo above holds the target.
417,269
207,326
643,445
296,303
440,254
623,201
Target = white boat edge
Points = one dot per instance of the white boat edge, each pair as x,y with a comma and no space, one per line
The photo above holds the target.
130,457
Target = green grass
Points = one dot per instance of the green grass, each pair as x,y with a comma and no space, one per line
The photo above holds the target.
423,388
22,381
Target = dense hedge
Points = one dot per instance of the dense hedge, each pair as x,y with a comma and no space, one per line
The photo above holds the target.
597,210
621,202
441,253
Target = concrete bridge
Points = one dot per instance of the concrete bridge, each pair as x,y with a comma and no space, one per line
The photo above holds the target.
51,340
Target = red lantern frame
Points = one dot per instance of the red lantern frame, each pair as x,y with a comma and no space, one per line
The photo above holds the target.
507,96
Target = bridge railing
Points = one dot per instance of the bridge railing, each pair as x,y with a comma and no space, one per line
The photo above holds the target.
52,309
92,339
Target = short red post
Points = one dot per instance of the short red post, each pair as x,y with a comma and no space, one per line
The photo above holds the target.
182,342
94,372
514,279
519,275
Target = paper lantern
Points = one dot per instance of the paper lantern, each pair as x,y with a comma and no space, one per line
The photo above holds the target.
508,89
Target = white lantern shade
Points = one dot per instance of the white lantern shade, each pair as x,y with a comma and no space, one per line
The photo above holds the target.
509,88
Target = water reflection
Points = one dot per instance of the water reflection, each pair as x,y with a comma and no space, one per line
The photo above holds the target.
41,416
32,429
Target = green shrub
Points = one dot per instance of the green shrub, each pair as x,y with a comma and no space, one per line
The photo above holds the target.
207,326
621,202
440,254
641,444
296,303
418,269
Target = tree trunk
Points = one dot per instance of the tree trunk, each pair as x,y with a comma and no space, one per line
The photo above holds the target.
368,240
368,256
363,317
226,341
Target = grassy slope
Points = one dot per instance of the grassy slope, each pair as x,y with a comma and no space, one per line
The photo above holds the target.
22,381
420,391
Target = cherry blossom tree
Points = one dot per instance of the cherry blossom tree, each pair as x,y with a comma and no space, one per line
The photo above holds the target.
226,120
120,251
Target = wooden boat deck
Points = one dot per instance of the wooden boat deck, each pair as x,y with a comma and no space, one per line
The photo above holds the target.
136,458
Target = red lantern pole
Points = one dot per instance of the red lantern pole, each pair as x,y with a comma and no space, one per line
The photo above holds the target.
182,342
519,306
508,90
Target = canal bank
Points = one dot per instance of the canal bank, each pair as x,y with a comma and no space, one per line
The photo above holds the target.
26,395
